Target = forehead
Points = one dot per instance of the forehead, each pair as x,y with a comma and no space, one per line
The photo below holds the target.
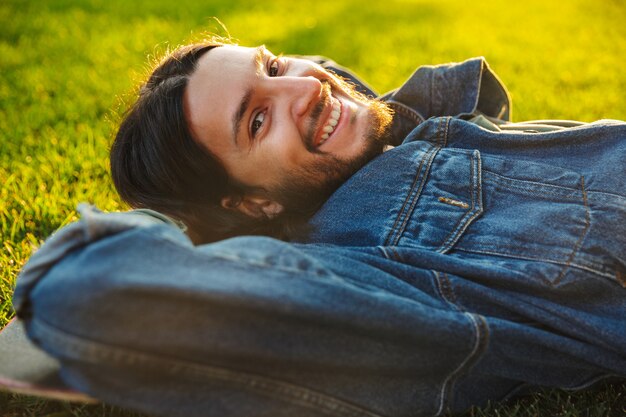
222,63
215,88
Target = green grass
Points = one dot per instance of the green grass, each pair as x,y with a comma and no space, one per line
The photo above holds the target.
67,68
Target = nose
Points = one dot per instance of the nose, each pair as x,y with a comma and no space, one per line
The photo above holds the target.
300,92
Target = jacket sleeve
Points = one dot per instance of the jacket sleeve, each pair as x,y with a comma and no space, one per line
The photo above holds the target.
139,317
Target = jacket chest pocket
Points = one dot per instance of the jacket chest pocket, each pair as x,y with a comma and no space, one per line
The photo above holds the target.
494,206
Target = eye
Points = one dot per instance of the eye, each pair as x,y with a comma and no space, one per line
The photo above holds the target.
257,123
273,68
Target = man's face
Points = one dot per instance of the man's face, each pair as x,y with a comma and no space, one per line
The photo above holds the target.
283,126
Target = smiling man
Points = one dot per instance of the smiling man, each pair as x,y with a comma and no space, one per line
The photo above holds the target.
475,260
279,126
226,138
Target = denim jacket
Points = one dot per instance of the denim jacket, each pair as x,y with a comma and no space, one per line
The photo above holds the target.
472,262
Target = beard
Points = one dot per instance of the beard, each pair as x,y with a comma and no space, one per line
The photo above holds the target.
306,189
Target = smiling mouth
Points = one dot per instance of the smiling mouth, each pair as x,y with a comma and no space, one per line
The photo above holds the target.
331,123
323,133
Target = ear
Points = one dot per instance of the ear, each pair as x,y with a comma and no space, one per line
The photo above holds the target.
253,206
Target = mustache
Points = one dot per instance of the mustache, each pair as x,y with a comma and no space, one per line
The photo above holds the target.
314,117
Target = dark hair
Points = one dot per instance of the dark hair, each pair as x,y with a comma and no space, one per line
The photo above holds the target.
156,163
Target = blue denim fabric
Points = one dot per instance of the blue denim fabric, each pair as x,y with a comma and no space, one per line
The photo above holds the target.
141,318
527,230
462,266
462,90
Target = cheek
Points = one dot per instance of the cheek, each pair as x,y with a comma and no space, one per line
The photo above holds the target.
285,149
261,168
272,159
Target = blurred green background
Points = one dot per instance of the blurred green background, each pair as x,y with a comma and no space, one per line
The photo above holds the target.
68,68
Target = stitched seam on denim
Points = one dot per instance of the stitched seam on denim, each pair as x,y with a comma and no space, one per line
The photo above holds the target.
405,110
533,258
262,384
444,138
563,192
579,243
413,195
413,203
441,139
528,186
476,205
610,197
444,287
481,336
394,228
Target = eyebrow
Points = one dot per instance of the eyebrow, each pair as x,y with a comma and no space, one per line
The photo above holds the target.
237,118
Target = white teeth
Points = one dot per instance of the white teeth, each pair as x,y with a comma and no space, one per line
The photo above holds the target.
333,120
